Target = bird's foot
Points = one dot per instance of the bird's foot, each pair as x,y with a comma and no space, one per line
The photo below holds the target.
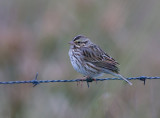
87,79
81,81
90,79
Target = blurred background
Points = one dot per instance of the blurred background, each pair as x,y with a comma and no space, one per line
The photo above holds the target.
34,36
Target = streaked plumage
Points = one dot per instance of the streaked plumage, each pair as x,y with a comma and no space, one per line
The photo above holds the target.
90,60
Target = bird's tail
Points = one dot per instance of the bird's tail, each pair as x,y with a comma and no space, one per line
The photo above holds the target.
118,75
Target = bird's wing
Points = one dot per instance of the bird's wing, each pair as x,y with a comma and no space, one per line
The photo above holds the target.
96,56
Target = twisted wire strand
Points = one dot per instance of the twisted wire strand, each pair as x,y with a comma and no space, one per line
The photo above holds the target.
36,82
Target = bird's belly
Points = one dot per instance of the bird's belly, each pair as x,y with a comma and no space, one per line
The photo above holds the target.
82,67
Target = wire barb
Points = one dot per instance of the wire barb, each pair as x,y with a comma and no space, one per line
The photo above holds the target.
143,78
35,82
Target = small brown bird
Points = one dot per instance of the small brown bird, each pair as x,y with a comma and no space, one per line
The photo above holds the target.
90,60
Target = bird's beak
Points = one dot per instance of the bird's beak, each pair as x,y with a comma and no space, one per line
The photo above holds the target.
71,43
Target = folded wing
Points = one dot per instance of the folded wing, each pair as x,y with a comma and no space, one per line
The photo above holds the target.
96,56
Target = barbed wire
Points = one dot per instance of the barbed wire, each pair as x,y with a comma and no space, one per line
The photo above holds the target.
36,82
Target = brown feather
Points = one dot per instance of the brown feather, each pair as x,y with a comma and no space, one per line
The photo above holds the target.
99,58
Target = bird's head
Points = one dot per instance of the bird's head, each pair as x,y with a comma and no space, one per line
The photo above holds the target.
80,41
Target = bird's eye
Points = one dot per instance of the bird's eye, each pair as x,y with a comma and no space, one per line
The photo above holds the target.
78,42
